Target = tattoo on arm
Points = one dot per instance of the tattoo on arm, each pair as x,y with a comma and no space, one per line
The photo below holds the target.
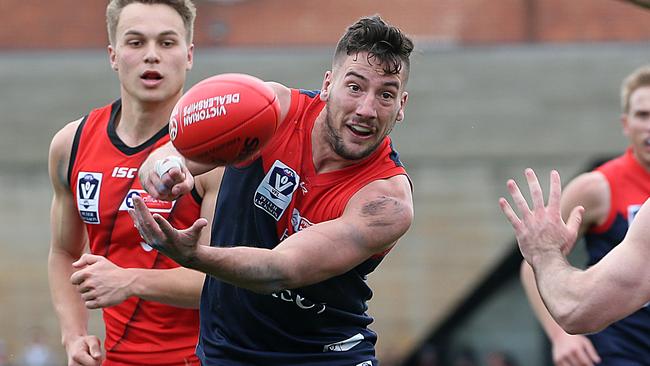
380,211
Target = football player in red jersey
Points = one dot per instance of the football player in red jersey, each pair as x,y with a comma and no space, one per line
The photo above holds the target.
149,303
611,196
302,225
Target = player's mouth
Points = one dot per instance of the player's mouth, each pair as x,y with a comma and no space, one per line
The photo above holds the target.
151,78
361,131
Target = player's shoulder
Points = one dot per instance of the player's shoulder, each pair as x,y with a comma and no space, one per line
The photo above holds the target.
283,94
591,183
63,139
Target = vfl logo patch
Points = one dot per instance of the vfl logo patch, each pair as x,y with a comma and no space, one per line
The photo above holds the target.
274,193
298,222
88,187
632,210
153,204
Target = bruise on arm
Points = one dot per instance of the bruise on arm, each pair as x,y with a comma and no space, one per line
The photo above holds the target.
381,211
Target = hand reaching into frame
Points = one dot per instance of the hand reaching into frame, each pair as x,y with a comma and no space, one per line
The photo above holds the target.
179,245
540,229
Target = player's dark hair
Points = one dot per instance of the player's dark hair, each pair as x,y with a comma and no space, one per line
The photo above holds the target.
184,8
384,44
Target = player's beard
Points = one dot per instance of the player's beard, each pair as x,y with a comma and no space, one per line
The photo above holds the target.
336,141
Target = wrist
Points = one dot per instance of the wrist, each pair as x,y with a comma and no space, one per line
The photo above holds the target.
68,339
134,285
194,260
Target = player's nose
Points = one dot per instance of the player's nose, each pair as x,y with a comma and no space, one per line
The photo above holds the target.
366,107
151,55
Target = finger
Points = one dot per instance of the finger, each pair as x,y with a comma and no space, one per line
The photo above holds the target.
555,192
95,348
93,304
167,229
518,198
79,277
580,358
509,213
575,219
145,223
88,295
84,358
536,194
86,259
592,353
155,186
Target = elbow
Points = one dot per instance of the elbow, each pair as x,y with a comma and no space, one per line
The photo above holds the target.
579,321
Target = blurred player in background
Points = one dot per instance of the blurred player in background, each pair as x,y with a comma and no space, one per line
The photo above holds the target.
287,274
149,302
611,195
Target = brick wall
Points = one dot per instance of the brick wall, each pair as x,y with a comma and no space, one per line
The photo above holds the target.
31,24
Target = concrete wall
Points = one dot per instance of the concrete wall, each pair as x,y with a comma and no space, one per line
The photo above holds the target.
475,117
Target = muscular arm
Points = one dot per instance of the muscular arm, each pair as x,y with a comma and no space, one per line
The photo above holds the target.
580,301
374,219
68,240
590,190
616,286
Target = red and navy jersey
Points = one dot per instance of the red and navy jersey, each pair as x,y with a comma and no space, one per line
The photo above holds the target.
259,205
629,184
103,178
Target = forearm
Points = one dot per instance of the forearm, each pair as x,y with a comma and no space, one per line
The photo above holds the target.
563,289
70,309
179,287
550,326
256,269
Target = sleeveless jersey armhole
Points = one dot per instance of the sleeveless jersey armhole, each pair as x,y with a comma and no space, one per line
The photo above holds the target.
196,196
611,215
75,147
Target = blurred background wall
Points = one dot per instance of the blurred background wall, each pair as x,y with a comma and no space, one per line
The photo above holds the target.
496,86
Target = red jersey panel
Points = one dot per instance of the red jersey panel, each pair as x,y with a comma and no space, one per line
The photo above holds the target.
103,177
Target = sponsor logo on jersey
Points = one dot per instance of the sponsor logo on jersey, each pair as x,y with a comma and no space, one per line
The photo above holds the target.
300,301
153,204
345,345
88,187
632,210
274,193
298,222
124,172
365,363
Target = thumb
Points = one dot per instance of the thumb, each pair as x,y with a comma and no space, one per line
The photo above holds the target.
86,260
575,219
195,230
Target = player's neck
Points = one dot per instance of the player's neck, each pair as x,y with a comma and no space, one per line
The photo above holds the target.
138,121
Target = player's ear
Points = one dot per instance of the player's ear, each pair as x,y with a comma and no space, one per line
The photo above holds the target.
402,105
325,88
190,57
625,124
112,57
